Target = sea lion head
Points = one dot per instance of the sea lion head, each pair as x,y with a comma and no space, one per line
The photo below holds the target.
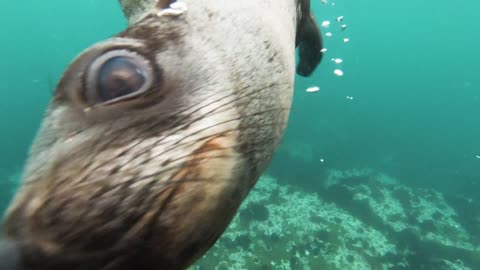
154,137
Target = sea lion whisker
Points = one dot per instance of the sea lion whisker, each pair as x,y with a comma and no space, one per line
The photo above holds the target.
105,189
176,123
102,144
235,104
181,142
200,139
201,106
143,220
208,150
192,162
279,109
237,98
256,92
183,164
180,126
177,143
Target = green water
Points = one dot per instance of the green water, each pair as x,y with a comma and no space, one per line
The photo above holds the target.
412,70
39,39
408,104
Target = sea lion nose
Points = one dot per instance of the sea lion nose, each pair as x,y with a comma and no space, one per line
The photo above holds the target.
9,256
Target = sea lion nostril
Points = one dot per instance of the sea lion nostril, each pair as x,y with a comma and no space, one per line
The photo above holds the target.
119,76
116,76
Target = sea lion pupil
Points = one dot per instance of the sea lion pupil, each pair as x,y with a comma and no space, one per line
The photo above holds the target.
119,76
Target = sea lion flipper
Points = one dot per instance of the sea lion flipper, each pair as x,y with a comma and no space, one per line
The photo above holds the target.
310,46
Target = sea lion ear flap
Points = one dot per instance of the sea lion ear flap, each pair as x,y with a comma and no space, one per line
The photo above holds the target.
310,45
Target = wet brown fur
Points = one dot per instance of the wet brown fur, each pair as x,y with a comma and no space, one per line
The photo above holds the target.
152,182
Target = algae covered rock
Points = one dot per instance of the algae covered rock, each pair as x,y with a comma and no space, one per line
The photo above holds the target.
425,228
301,231
361,220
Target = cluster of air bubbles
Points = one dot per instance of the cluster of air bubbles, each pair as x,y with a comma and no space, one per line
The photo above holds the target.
331,28
329,33
342,26
325,2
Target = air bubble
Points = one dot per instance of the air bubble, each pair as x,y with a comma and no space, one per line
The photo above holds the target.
338,72
337,60
328,34
176,9
313,89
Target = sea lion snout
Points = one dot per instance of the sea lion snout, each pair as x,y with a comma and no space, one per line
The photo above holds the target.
140,150
83,212
154,137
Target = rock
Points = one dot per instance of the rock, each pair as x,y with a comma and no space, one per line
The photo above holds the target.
418,220
362,220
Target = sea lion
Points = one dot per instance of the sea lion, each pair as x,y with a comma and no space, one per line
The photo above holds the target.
154,137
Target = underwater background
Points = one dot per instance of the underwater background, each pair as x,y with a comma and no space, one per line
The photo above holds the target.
379,167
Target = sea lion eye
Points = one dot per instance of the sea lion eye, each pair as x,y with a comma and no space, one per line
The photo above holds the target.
117,76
